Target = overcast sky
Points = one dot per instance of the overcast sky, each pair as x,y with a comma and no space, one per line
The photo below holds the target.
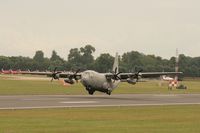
148,26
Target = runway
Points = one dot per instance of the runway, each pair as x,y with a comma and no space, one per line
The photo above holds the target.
68,101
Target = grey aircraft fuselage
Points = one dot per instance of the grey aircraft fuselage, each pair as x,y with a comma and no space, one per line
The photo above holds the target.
94,81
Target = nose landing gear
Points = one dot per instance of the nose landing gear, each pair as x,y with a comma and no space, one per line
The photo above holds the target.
90,90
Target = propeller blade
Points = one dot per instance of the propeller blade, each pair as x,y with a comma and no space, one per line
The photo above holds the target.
55,69
140,71
119,77
137,74
115,70
74,76
115,75
118,73
54,73
52,79
77,71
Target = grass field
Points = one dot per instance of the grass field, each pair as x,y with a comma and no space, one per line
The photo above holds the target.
27,87
146,119
154,119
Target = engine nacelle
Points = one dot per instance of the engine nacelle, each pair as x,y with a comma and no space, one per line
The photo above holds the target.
69,81
131,81
57,76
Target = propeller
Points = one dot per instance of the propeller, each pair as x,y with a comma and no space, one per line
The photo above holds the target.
138,74
116,75
74,75
54,74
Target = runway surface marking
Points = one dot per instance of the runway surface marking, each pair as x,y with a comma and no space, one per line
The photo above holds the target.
42,99
91,106
80,102
165,95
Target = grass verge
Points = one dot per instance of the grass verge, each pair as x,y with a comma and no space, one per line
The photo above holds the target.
151,119
45,87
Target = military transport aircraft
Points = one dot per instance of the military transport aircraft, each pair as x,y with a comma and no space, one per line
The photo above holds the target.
103,82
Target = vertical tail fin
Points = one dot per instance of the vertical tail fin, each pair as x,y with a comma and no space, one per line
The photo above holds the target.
116,64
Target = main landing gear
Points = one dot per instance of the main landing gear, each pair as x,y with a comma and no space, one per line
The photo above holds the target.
90,90
108,92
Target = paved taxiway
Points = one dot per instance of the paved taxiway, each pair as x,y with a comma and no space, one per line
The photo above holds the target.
61,101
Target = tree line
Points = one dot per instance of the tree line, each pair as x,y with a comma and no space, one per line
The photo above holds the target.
82,58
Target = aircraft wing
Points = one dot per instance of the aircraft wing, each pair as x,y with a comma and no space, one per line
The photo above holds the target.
147,74
49,74
158,74
36,73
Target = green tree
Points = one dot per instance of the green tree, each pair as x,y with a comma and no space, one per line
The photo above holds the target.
81,59
131,60
39,56
104,63
38,61
87,58
56,61
74,59
55,56
5,62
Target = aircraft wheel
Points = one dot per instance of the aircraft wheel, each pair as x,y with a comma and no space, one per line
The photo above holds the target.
108,92
91,92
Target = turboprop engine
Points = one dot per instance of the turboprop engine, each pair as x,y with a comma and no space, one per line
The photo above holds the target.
131,81
69,81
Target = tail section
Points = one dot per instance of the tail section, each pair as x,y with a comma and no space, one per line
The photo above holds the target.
116,64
